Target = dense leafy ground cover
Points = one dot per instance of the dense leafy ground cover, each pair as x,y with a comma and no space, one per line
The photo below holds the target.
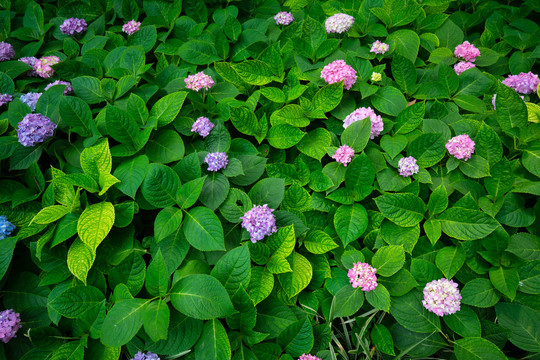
117,240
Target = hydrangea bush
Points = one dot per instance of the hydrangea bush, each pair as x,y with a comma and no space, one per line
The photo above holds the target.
269,179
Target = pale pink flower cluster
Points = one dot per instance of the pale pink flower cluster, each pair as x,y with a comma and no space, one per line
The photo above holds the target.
308,357
362,113
202,126
467,51
524,83
442,297
343,154
216,161
379,47
363,275
462,66
199,81
339,23
407,166
338,71
461,147
43,66
131,27
283,18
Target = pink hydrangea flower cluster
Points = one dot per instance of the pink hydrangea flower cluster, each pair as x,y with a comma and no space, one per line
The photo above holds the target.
67,90
363,275
31,61
407,166
343,154
131,27
43,66
6,51
72,26
216,161
308,357
5,98
202,126
283,18
199,81
379,47
338,71
524,83
259,222
34,129
461,147
467,51
362,113
339,23
442,297
462,66
10,322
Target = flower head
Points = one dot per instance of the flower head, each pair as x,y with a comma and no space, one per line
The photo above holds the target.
10,322
6,51
362,113
343,154
43,66
460,147
259,222
339,23
462,66
145,356
337,71
283,18
72,26
524,83
308,357
34,129
363,275
379,47
467,51
199,81
375,76
202,126
5,98
442,297
6,228
216,161
30,99
31,61
407,166
67,90
131,27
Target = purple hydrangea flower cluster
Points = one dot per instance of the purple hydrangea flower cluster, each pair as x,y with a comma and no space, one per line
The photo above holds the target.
216,161
343,154
494,98
379,47
338,23
30,99
31,61
145,356
202,126
67,90
283,18
467,51
462,66
362,113
199,81
337,71
34,129
131,27
442,297
6,51
461,147
6,228
308,357
5,98
73,25
524,83
259,222
43,66
407,166
10,322
363,275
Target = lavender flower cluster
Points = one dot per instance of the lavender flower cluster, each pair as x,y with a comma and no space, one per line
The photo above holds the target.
145,356
216,161
284,18
442,297
10,322
72,26
523,83
461,147
259,222
34,129
67,90
362,113
5,98
199,81
6,228
407,166
202,126
343,154
30,99
338,71
6,51
363,275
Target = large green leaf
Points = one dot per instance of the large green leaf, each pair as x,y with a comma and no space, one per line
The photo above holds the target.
315,142
131,174
472,348
467,224
166,108
480,293
95,223
449,260
347,301
510,109
160,185
214,343
388,260
350,222
409,312
268,191
389,100
76,300
80,259
464,322
297,338
123,321
523,323
297,280
233,270
404,209
203,229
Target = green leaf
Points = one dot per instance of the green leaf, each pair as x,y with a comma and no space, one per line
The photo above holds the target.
76,114
73,350
438,200
411,314
400,283
467,224
244,120
297,338
203,229
350,222
297,280
477,348
328,97
284,136
511,110
319,242
50,214
189,193
404,74
233,269
202,297
198,52
246,318
219,139
388,260
80,259
404,209
389,100
393,145
531,159
157,276
315,142
360,175
213,343
95,223
476,167
131,174
131,272
449,260
123,321
7,246
291,114
268,191
382,339
214,190
357,134
480,293
121,126
165,146
160,185
88,88
405,43
525,245
394,234
473,82
167,221
522,322
464,322
260,285
156,320
166,108
505,280
75,301
379,298
427,149
255,72
97,160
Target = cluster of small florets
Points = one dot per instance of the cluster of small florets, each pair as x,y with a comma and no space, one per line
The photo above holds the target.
379,47
338,71
131,27
5,98
31,61
362,113
363,275
67,90
43,66
308,357
202,126
30,99
442,297
10,322
407,166
199,81
462,66
259,222
6,51
375,76
524,83
216,161
72,26
6,228
343,154
145,356
339,23
283,18
467,51
34,129
461,147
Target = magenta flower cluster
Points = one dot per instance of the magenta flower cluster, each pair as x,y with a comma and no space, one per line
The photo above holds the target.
338,23
308,357
337,71
145,356
216,161
343,154
442,297
34,129
284,18
362,113
199,81
462,66
10,322
202,126
131,27
67,90
72,26
43,66
259,222
467,51
379,47
6,51
524,83
363,275
407,166
5,98
461,147
30,99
